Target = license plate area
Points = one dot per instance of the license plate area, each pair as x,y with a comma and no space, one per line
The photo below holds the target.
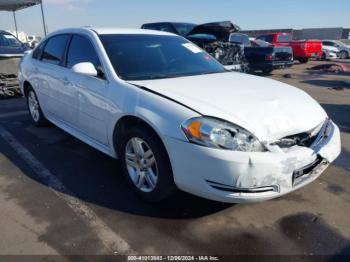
302,174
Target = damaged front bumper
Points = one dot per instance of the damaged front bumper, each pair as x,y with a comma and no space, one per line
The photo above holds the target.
242,177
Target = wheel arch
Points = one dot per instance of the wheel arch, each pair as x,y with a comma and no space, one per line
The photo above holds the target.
346,52
26,86
129,121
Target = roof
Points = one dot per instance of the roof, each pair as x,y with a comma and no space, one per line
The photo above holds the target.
14,5
110,31
173,23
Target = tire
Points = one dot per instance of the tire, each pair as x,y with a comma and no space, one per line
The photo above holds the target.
343,55
157,180
34,109
303,60
267,72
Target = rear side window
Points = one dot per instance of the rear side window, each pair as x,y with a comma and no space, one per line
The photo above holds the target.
54,49
151,26
166,28
266,38
160,27
284,38
81,50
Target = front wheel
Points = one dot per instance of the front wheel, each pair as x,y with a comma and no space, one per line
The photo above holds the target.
34,109
146,165
343,55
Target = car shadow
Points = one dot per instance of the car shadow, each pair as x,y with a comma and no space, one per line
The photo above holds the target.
333,84
93,177
339,114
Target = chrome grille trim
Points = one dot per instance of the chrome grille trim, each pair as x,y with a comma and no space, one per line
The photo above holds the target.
307,139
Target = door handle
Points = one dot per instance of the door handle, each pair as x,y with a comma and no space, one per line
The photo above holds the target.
36,70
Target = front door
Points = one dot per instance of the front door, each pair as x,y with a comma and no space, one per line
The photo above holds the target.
92,91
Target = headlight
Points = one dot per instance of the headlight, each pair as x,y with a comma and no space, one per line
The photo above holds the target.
216,133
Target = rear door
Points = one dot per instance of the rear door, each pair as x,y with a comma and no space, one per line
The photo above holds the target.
59,96
91,91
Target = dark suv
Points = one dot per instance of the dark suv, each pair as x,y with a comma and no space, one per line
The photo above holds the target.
176,28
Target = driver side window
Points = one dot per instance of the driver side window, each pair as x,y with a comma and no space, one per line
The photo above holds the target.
82,50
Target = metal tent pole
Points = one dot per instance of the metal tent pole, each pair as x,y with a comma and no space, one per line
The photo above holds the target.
43,17
14,17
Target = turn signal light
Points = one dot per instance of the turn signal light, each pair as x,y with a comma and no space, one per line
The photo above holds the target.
194,130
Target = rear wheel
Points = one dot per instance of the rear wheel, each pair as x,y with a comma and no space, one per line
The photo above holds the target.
324,56
343,54
146,165
303,60
267,71
34,109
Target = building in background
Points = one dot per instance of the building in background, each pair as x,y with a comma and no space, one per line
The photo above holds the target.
336,33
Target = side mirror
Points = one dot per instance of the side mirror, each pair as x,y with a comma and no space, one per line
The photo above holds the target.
85,68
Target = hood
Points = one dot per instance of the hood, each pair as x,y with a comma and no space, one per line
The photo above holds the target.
221,30
269,109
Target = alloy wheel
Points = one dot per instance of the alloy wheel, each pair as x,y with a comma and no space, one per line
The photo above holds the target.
141,165
343,55
33,105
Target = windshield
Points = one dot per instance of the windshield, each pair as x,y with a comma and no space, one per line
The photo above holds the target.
8,40
143,57
240,39
183,29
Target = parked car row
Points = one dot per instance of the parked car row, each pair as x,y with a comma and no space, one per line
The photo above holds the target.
265,53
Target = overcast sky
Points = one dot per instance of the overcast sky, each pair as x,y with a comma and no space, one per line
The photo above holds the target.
249,14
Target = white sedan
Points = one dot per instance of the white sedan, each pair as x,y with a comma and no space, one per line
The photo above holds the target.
175,117
330,52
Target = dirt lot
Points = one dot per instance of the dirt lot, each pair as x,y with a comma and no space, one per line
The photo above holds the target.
60,196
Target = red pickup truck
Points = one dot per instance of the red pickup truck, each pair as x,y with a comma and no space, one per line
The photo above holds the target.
303,50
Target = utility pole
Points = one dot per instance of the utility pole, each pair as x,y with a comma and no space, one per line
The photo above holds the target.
43,17
14,17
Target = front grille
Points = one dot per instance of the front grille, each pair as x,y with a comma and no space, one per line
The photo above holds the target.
306,139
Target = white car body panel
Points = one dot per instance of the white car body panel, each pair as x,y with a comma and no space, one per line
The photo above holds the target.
90,108
340,46
265,107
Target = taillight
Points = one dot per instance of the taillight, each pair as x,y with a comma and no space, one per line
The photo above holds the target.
269,57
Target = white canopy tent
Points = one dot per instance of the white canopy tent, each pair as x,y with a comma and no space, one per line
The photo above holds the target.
15,5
